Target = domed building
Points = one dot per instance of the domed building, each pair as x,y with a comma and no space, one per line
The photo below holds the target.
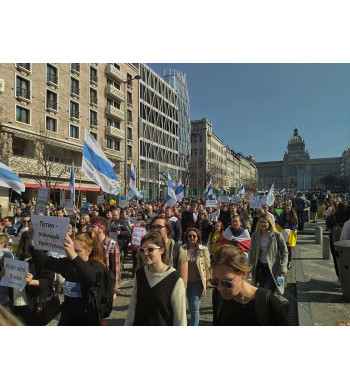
297,170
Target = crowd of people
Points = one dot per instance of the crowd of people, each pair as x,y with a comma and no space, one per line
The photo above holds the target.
243,253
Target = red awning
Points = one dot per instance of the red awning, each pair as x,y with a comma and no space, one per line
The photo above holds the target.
64,187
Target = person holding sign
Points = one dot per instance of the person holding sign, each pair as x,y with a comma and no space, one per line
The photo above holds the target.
39,284
82,269
159,294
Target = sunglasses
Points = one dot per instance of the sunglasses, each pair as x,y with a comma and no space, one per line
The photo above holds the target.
27,220
224,283
192,236
149,249
157,227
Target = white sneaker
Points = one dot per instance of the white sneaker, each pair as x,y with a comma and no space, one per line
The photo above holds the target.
337,282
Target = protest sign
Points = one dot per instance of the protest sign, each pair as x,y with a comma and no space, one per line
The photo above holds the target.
223,199
133,221
100,199
123,204
41,200
211,203
49,233
85,208
137,233
66,201
15,274
236,199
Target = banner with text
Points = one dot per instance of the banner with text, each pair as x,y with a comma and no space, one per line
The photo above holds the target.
41,200
15,274
138,232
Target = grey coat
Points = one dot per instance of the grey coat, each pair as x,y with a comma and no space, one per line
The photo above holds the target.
277,255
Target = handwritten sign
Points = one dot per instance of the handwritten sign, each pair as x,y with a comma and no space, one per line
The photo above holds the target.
41,201
211,203
138,232
49,233
15,274
123,204
133,220
100,199
85,208
223,199
236,199
66,201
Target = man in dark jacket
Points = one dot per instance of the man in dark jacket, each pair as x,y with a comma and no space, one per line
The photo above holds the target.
119,231
186,219
175,224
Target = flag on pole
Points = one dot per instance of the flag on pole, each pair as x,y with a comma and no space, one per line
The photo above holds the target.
241,191
133,192
179,192
72,183
96,166
270,199
9,179
208,191
171,197
283,191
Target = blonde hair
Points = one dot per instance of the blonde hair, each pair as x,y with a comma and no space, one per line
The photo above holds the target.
268,218
4,239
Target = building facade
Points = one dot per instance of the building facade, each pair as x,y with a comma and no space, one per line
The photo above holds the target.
45,109
297,170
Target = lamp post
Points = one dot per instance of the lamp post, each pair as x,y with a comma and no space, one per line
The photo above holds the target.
137,77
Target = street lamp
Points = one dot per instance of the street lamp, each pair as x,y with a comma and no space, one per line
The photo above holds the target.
137,77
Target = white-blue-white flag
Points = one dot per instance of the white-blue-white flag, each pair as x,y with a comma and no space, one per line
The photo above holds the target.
171,197
241,191
96,166
72,183
9,179
270,198
133,192
179,192
209,190
283,191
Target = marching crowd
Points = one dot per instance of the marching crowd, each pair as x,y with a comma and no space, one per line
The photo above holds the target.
244,253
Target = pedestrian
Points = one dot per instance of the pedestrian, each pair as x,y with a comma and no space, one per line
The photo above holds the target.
236,234
159,294
204,226
314,209
268,255
198,271
215,238
235,301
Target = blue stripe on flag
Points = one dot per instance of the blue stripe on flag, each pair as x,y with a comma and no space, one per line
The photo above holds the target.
7,174
98,163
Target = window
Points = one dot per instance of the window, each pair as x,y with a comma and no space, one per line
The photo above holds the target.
129,116
129,151
24,66
51,74
51,124
73,131
129,135
111,102
93,118
112,144
93,75
94,135
129,78
51,100
22,88
93,96
75,67
113,83
22,115
74,86
129,98
74,110
111,122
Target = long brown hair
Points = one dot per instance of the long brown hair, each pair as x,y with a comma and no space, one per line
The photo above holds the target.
89,240
158,240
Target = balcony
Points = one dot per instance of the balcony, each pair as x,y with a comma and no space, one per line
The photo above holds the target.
74,91
51,79
114,72
25,67
93,122
115,132
51,105
115,112
23,93
75,68
74,114
114,92
94,79
94,100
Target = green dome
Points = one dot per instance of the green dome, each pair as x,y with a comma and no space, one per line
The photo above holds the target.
296,139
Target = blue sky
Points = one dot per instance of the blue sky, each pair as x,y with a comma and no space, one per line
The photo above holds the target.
254,107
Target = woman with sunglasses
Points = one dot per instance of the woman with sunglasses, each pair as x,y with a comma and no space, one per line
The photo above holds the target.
82,269
235,301
198,271
159,294
204,226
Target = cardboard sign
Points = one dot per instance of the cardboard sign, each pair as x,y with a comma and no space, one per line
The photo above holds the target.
15,274
133,221
41,201
138,232
49,233
66,201
211,203
85,208
223,199
236,199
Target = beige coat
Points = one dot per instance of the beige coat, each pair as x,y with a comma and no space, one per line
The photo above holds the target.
203,264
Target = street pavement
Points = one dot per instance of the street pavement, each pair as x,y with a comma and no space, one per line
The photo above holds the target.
314,298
